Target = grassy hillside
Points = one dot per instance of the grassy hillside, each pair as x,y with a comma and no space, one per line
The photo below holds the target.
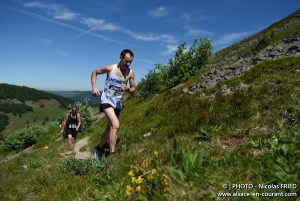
175,147
249,137
43,112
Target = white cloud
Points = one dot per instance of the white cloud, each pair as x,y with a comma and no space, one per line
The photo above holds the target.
158,12
99,24
59,12
198,33
189,17
55,10
166,38
146,61
230,38
75,28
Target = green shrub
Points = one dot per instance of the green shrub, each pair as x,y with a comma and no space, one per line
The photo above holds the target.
283,157
149,85
186,62
3,121
206,133
23,138
191,162
262,43
81,167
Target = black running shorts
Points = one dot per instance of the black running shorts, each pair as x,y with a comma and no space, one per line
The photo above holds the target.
104,106
72,131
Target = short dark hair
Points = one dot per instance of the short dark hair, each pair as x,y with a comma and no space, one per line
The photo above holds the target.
125,51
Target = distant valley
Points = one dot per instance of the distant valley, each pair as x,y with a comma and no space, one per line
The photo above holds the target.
78,96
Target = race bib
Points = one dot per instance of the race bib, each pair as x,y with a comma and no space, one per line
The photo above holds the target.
72,126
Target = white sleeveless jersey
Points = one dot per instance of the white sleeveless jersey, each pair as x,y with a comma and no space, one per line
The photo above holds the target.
112,93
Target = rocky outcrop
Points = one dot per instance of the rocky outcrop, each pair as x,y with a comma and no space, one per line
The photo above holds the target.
268,33
288,47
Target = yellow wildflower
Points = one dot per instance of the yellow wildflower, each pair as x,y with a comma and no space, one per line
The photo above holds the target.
145,163
165,180
138,189
150,177
46,147
129,188
274,136
128,191
144,166
133,179
155,153
154,172
130,173
139,180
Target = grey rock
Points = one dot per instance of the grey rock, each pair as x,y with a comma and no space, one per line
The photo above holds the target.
185,90
235,65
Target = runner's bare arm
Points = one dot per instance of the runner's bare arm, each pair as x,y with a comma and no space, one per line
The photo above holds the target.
79,122
132,88
96,72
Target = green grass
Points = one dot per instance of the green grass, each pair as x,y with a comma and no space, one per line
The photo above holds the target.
252,137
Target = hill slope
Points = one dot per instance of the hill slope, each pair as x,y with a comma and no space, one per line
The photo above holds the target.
184,144
23,93
21,106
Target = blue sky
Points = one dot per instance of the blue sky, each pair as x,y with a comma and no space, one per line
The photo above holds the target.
55,45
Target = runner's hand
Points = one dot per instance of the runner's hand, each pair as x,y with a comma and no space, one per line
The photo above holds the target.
124,87
95,92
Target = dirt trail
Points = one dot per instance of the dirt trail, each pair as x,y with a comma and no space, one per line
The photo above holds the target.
81,143
12,157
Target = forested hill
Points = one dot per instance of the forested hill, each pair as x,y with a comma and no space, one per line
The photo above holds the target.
80,96
21,93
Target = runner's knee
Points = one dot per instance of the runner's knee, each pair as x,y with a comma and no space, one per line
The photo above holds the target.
115,125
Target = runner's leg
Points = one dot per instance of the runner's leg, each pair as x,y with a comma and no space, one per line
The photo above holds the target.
71,141
105,136
114,126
